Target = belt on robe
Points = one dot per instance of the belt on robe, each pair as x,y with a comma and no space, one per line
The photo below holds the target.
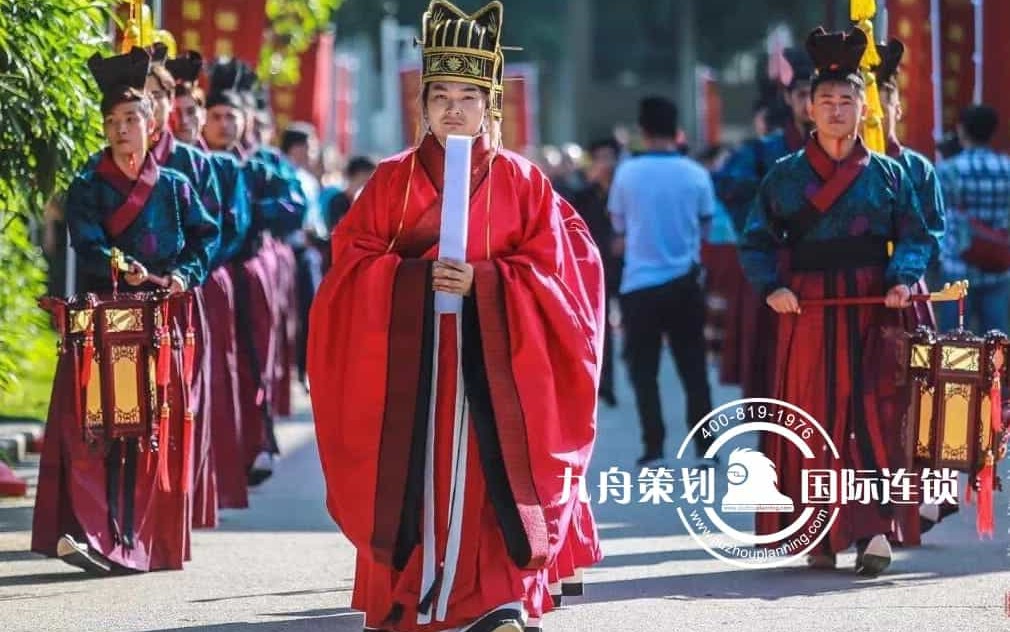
839,254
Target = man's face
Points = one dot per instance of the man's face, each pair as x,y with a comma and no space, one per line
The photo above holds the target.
455,108
603,162
305,155
798,98
265,131
189,119
837,110
892,109
223,128
161,100
127,130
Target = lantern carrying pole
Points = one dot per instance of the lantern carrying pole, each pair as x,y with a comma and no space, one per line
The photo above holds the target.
951,292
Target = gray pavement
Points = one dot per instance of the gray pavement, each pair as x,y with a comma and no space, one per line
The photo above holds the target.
282,566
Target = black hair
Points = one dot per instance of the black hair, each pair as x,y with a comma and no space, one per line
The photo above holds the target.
298,133
605,143
164,78
190,89
979,123
846,78
657,116
359,164
127,95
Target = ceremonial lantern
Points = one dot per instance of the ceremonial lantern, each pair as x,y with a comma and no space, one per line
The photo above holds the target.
955,414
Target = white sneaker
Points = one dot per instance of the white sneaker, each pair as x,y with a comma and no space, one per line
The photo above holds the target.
80,555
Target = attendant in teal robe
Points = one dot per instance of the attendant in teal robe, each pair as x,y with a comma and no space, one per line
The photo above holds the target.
107,504
912,521
820,228
219,291
748,357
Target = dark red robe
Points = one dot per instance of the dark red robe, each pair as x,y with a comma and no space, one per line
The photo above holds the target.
73,478
228,458
838,363
529,342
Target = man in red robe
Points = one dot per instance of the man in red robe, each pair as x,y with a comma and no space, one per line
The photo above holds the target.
450,443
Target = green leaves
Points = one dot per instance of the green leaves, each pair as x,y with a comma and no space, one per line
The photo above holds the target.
49,119
293,27
49,124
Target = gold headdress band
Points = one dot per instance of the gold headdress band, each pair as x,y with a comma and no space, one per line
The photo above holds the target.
465,48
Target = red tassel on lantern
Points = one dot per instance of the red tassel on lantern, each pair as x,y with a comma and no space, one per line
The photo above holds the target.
88,358
164,480
188,352
187,453
996,416
984,514
164,349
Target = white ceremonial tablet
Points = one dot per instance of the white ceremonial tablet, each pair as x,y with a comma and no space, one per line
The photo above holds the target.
455,214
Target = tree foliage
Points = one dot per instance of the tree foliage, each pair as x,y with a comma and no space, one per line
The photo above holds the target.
49,119
293,28
49,124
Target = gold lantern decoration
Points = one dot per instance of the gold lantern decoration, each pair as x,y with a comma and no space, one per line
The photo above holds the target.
955,380
955,412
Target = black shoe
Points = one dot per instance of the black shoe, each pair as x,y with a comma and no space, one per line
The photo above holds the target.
262,469
607,396
80,555
501,620
556,601
873,556
573,589
651,460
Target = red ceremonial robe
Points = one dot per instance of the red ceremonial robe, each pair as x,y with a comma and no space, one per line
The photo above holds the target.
286,325
228,453
531,338
256,348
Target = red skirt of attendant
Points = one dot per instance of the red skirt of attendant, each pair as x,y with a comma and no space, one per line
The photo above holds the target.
907,528
72,496
839,366
255,342
205,500
756,330
718,260
286,274
228,451
726,285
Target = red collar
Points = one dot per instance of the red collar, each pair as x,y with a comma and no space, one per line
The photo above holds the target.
109,171
826,166
431,153
163,147
894,147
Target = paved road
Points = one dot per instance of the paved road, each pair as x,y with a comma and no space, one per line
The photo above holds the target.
281,566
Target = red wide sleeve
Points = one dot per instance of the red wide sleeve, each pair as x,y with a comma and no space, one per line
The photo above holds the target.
551,289
347,355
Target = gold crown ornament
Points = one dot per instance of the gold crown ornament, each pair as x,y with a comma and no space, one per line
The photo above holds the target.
465,48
